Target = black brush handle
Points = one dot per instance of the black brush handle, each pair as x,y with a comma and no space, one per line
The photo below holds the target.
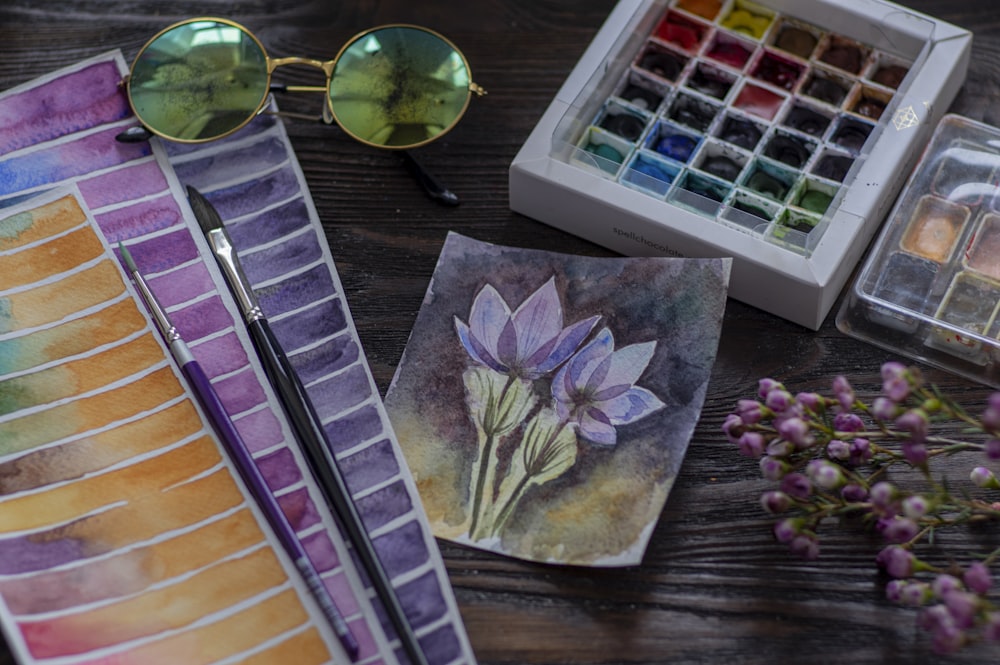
309,432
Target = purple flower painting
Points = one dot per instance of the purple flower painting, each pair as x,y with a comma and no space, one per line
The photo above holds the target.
544,402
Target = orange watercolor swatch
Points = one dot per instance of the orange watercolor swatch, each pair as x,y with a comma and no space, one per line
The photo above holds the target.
217,589
89,413
133,570
59,255
74,500
55,301
104,326
47,220
264,620
122,529
89,453
80,376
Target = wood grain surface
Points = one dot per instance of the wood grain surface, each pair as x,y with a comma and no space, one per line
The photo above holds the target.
714,586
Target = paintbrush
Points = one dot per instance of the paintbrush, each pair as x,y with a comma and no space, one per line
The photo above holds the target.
240,455
304,421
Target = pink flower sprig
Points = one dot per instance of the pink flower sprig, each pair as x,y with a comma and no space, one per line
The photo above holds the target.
833,457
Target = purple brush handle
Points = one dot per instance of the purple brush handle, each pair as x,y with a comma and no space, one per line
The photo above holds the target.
240,456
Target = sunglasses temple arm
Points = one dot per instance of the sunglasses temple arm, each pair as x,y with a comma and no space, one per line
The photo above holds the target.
430,184
136,134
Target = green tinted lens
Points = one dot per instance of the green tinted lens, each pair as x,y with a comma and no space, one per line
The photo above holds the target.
198,81
399,87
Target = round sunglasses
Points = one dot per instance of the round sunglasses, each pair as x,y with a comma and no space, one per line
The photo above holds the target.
394,86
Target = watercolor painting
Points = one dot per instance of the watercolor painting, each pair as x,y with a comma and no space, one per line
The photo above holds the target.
136,195
545,401
124,534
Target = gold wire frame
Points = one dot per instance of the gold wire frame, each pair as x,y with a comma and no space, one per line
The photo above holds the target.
326,66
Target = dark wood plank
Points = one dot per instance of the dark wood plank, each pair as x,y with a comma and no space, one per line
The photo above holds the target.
714,587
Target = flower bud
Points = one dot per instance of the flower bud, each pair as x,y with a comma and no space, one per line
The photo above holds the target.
883,494
780,448
983,477
963,607
892,370
885,409
896,561
894,590
896,388
812,401
977,578
992,449
778,400
775,502
750,411
838,450
772,468
899,529
944,584
915,506
732,426
861,451
825,475
915,594
751,444
787,529
915,452
796,485
848,422
854,493
764,386
805,545
795,430
991,416
914,422
844,393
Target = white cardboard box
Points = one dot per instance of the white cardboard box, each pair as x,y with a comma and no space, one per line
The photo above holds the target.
553,180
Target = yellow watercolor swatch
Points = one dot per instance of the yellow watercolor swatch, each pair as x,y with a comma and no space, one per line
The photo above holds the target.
124,535
52,258
93,452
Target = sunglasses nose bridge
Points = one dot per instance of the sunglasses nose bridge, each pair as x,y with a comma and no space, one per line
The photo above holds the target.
274,63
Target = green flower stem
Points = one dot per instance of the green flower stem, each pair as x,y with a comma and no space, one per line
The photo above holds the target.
522,483
487,464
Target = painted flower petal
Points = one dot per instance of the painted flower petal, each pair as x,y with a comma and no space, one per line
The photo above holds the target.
476,350
488,317
628,363
568,342
630,406
588,359
595,426
538,321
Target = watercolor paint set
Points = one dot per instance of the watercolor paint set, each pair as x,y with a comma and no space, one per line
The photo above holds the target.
777,133
930,288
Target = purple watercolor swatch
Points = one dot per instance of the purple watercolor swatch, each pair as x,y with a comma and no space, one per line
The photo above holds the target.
284,252
254,180
137,199
70,104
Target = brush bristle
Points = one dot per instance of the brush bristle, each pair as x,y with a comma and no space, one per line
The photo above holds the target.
128,258
206,214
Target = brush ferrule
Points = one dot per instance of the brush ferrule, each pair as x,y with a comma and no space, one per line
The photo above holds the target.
238,283
156,311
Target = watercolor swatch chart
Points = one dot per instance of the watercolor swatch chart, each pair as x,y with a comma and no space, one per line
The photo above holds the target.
123,534
137,199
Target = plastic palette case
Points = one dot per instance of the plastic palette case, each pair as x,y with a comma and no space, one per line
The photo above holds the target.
733,128
746,116
930,288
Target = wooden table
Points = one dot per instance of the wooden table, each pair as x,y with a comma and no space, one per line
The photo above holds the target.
714,587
